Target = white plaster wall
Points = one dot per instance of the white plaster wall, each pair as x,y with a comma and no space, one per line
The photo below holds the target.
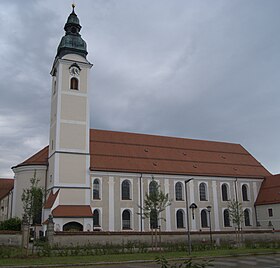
112,204
264,218
22,181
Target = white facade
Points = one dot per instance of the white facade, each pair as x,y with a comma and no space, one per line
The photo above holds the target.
111,204
269,216
23,174
6,207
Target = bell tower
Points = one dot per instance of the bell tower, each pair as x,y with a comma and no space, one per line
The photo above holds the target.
69,158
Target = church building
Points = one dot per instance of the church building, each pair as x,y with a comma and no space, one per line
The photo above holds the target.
96,180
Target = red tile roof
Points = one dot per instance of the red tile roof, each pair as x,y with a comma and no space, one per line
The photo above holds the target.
51,199
40,158
6,185
141,153
130,152
77,211
270,191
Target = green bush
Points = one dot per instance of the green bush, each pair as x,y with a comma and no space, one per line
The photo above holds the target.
13,224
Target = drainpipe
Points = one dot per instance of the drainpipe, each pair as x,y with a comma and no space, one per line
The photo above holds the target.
256,216
8,204
238,226
46,182
256,213
12,198
235,184
141,203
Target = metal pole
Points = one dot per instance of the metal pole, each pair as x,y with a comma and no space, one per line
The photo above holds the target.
93,220
141,205
187,215
211,239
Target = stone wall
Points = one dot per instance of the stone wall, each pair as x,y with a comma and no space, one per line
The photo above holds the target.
84,238
10,238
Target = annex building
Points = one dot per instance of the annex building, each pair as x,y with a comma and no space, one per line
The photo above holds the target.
97,179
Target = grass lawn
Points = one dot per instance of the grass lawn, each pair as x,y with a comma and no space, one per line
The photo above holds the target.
129,257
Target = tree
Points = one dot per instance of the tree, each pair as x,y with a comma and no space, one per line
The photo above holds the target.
155,203
32,200
236,214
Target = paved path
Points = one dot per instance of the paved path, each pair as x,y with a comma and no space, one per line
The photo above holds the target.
259,261
262,261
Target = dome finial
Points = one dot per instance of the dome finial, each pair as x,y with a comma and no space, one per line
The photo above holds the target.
73,6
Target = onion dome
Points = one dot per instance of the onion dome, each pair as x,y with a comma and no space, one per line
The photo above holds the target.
72,42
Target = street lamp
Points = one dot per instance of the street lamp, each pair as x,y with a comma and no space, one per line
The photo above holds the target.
209,211
187,215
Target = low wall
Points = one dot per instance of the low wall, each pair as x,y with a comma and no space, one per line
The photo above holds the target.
10,238
84,238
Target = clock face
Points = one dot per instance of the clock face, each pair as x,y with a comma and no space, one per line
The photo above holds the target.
74,71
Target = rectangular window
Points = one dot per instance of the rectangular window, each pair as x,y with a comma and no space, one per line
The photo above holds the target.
270,212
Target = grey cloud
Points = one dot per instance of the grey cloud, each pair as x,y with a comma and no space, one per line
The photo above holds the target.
197,69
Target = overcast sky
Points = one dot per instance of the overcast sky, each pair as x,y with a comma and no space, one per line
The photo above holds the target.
195,69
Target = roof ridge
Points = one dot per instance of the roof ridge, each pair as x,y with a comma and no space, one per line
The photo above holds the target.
168,147
175,160
164,136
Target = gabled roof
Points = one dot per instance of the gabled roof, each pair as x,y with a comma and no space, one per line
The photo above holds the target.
6,185
72,211
141,153
270,191
51,199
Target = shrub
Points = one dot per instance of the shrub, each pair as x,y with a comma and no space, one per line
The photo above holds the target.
13,224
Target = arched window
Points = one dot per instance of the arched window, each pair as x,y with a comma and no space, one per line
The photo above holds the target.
204,218
126,220
96,189
226,218
179,191
203,191
245,192
225,192
153,187
74,83
96,218
247,217
180,218
125,190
